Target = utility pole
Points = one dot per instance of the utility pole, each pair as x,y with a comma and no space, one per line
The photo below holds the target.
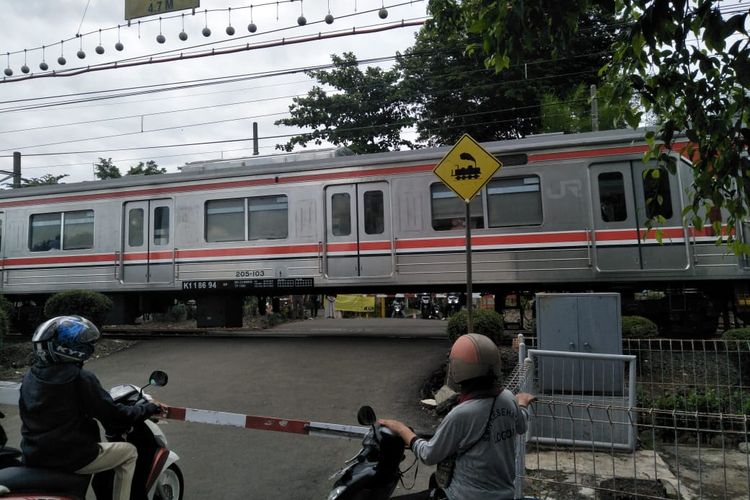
594,110
16,174
255,138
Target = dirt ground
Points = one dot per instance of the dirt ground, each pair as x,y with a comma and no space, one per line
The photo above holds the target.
16,355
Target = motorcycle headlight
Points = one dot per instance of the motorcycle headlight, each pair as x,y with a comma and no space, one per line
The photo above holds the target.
336,492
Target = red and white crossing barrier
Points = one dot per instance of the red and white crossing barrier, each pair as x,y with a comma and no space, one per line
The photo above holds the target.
256,422
9,393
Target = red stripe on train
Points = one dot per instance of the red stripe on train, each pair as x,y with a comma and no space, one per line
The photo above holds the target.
219,185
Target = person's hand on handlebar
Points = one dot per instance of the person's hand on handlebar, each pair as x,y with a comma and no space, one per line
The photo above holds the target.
400,428
159,409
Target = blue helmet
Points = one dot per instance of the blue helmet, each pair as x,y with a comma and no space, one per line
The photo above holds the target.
65,339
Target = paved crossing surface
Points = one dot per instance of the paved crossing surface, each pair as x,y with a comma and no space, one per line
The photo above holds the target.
322,379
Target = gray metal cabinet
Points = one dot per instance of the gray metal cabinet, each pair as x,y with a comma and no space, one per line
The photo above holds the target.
585,323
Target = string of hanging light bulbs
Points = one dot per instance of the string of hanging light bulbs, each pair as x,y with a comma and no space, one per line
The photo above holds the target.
230,30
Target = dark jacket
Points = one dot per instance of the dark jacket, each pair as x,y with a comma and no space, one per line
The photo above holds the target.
58,406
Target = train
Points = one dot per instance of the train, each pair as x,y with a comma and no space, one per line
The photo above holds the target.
565,212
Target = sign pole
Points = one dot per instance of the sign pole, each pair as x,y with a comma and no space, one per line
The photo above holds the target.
465,170
469,294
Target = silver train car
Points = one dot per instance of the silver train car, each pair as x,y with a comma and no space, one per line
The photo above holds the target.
566,212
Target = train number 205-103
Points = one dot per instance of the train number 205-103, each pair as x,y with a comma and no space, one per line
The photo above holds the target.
250,274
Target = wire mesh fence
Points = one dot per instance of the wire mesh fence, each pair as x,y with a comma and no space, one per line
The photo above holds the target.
688,417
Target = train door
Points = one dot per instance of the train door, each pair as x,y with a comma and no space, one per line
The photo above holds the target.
626,195
148,243
358,230
615,238
657,197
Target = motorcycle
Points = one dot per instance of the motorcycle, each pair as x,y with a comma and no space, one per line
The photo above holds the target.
436,313
425,306
157,475
454,305
374,472
397,310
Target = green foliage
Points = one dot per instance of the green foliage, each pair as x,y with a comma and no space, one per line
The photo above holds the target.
638,327
686,61
453,93
365,114
93,306
105,169
486,322
44,180
4,326
273,319
571,113
149,168
6,306
177,313
699,400
736,334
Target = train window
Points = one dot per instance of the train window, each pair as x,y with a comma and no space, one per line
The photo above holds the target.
374,212
225,220
78,230
341,214
612,197
449,211
45,232
161,226
514,202
268,217
135,227
656,192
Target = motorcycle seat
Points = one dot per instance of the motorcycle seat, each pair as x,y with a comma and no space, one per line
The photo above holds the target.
32,479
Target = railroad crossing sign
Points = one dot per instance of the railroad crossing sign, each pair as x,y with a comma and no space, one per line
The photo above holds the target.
466,168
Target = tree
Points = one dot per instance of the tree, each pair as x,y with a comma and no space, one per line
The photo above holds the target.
149,168
43,180
688,61
455,93
366,111
572,113
105,169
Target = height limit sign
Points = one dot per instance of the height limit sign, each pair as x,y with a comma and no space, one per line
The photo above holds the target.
467,168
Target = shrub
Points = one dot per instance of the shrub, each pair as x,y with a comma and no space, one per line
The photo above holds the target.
4,326
6,306
93,306
638,327
736,334
486,322
178,312
274,319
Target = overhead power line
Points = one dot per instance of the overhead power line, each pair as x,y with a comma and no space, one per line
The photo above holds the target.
281,136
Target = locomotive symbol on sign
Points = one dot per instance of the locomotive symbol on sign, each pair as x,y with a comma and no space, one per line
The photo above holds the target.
466,172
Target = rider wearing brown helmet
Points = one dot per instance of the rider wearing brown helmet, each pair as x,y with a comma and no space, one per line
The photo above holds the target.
478,434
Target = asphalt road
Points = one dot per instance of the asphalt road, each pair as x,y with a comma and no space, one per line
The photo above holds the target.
322,379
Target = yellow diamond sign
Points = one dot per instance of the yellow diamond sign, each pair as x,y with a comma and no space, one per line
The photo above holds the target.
466,168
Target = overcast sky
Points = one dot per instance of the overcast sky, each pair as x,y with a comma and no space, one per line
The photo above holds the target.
29,24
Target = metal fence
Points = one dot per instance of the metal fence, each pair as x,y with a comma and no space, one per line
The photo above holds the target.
690,437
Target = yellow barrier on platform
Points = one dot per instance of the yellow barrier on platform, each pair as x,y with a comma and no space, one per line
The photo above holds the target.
355,303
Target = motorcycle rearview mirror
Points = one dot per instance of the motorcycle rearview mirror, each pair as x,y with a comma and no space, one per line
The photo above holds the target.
157,378
366,416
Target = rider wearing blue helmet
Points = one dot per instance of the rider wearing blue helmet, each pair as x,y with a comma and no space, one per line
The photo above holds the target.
60,402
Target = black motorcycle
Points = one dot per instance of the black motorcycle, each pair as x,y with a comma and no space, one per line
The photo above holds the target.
374,472
454,304
397,309
425,306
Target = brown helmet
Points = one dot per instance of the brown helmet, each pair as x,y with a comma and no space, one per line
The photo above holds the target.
474,355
